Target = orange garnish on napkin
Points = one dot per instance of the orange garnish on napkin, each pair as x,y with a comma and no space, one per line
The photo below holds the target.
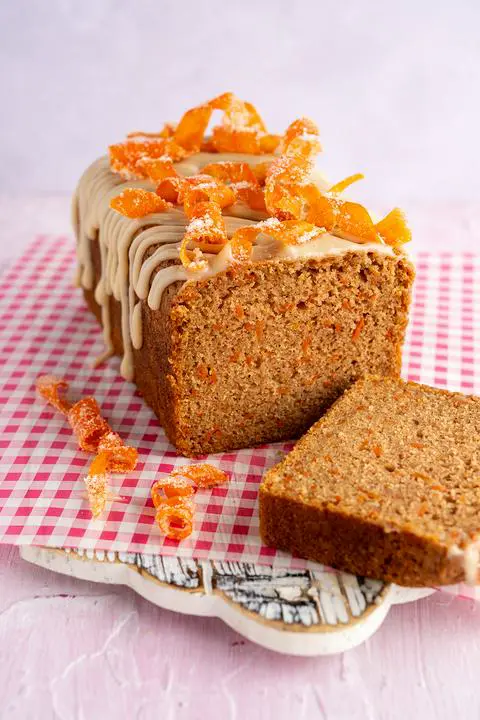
94,435
172,497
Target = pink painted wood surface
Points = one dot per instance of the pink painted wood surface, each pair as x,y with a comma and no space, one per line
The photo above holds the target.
71,649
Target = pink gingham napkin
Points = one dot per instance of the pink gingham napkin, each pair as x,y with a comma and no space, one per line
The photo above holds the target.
46,328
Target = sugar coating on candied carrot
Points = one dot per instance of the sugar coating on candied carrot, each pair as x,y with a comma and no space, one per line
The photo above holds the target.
51,388
175,521
169,487
137,202
203,475
172,497
96,483
121,458
288,194
344,184
94,435
87,423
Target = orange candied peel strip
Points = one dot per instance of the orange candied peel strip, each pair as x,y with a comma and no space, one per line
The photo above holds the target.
156,169
51,389
242,179
344,184
96,483
231,172
242,131
203,475
121,458
169,487
393,229
288,232
175,519
87,423
215,192
206,229
137,202
94,435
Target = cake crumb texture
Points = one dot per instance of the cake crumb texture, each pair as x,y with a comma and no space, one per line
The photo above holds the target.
257,353
385,485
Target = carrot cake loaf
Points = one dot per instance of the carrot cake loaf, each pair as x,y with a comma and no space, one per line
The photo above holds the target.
242,291
385,485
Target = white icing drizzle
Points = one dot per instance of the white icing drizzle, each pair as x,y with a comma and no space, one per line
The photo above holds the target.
132,274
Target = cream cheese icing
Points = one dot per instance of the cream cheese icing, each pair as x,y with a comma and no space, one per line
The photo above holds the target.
131,274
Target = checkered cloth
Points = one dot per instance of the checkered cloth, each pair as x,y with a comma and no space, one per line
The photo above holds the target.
46,328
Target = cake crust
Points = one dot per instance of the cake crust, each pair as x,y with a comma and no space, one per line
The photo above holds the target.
385,485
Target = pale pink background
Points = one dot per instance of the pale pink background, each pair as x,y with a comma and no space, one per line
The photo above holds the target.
395,88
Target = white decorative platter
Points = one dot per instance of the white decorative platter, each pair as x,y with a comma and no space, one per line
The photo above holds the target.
297,612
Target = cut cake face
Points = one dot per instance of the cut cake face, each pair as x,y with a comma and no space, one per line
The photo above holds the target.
386,484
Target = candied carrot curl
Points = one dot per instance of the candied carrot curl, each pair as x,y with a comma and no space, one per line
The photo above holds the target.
87,423
169,487
288,232
241,244
156,169
124,156
203,475
242,130
343,184
94,435
51,389
393,229
251,194
231,172
175,519
206,226
242,179
172,497
96,483
121,458
289,195
136,203
215,192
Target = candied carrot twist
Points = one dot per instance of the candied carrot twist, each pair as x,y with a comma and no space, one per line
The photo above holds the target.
51,389
94,435
242,130
175,520
173,501
287,195
203,475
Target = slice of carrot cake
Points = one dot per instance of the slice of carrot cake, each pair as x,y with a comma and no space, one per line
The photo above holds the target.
385,485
